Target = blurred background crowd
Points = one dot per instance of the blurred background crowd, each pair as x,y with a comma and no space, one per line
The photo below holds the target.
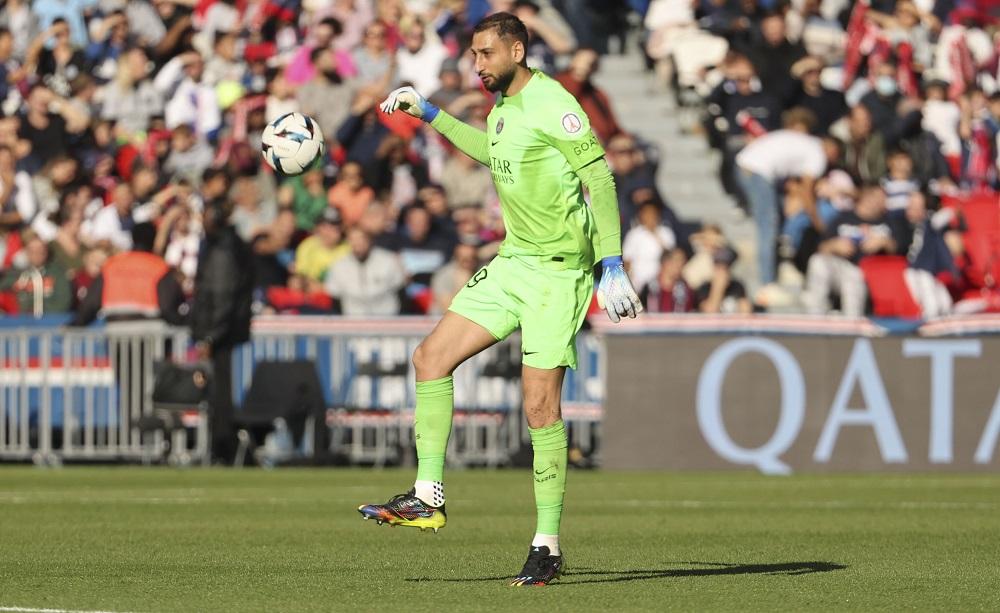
859,137
843,130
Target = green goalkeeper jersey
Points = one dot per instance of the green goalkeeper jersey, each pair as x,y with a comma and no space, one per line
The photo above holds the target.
538,139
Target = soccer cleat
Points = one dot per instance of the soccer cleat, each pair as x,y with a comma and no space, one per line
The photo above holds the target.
540,569
406,510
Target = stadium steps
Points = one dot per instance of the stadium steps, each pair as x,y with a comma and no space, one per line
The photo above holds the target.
688,172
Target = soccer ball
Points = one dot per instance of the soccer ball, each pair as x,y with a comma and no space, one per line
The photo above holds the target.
291,143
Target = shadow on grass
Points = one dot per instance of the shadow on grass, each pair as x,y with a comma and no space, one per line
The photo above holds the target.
712,569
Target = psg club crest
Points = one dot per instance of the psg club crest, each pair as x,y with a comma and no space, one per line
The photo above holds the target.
571,123
500,125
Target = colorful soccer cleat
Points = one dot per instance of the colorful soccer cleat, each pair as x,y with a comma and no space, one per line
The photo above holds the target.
540,569
406,510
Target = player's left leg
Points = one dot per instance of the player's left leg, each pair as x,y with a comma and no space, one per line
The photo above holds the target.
556,302
542,391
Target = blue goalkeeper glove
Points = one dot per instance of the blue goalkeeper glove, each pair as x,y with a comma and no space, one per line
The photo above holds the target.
615,294
411,102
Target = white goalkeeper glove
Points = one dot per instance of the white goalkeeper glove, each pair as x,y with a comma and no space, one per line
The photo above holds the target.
615,294
411,102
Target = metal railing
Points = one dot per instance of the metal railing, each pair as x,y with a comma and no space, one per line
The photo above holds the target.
72,394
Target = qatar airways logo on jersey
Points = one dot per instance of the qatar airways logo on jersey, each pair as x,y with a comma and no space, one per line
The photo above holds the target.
500,169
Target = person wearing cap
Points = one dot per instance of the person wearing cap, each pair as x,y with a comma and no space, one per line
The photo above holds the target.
826,104
317,253
722,293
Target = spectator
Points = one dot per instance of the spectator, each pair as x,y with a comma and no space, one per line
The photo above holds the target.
326,97
763,164
112,38
131,100
978,130
826,104
544,41
466,181
134,284
366,281
17,198
316,254
420,59
373,61
899,185
668,292
723,293
738,109
645,243
114,222
593,100
47,125
54,58
850,237
306,196
449,279
422,245
178,239
17,17
220,317
191,101
864,150
302,67
773,55
894,117
252,213
349,195
189,154
224,65
631,171
41,286
361,133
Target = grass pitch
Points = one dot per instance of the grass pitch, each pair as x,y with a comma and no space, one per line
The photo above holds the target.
133,539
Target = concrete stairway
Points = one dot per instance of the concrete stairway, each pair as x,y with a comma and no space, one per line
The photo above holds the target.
688,172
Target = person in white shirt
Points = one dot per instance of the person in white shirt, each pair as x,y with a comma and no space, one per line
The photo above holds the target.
189,100
419,60
645,243
767,161
367,280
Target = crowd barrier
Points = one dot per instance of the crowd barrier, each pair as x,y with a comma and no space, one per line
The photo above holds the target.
79,394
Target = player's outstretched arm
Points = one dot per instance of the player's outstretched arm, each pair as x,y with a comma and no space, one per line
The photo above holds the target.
469,140
615,293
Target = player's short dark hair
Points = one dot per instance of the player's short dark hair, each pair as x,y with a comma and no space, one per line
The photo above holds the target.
506,25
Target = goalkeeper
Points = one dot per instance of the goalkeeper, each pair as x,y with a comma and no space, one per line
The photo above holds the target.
541,152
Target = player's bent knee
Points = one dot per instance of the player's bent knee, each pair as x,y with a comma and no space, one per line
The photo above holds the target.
428,365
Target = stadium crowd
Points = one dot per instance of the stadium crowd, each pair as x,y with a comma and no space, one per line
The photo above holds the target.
843,128
124,120
860,137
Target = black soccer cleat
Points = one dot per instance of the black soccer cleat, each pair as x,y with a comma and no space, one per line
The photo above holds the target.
540,569
406,510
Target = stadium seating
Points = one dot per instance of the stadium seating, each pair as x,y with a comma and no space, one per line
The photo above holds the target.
887,286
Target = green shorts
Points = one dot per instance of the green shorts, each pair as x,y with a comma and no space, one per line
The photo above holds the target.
542,297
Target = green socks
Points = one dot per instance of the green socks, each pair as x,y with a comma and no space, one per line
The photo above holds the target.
549,444
432,426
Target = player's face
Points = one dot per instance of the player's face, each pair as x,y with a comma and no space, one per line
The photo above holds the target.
495,59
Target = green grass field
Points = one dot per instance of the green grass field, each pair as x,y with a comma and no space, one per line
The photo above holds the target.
133,539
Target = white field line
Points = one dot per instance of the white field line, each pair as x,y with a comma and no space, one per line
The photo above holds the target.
904,505
30,610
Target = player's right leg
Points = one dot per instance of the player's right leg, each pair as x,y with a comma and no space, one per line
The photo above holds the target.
454,340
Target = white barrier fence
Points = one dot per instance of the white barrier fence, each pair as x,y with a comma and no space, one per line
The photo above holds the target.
79,394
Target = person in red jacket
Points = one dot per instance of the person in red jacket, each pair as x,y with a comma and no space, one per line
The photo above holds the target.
594,101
